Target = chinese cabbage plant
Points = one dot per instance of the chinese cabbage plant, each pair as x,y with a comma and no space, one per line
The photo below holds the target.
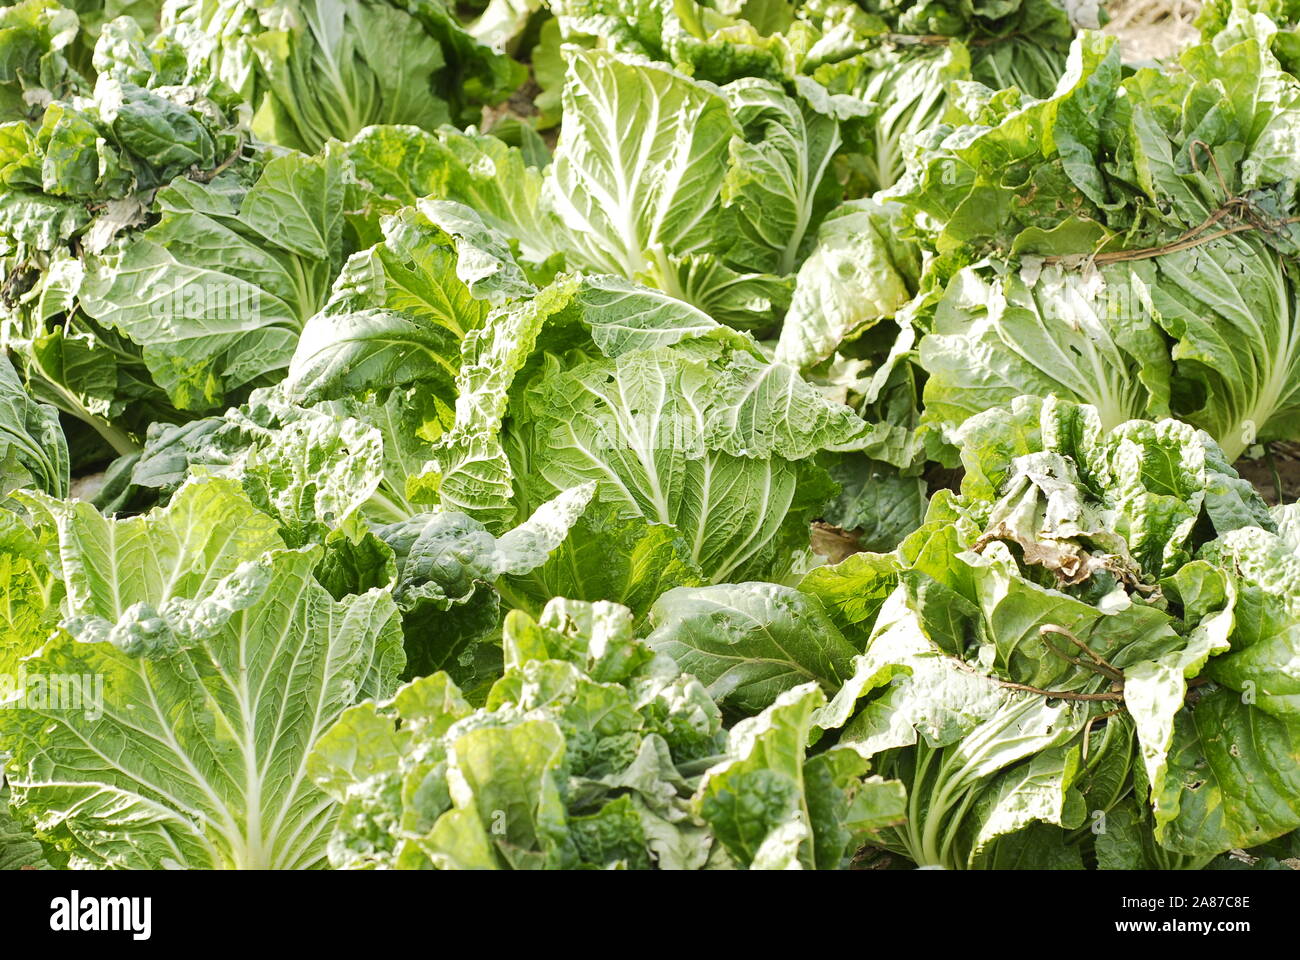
668,434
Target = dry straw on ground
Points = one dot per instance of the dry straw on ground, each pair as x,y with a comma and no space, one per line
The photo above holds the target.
1151,29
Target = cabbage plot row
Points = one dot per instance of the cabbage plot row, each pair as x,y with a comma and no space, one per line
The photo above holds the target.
460,489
